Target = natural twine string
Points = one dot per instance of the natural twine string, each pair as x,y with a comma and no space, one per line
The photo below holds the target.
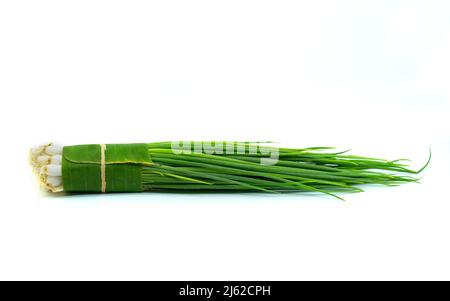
103,166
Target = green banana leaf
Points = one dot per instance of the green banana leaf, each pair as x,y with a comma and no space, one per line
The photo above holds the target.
81,167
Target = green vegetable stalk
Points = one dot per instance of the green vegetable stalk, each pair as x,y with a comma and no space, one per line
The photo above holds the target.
211,166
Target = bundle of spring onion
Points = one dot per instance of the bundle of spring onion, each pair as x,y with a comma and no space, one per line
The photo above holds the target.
210,166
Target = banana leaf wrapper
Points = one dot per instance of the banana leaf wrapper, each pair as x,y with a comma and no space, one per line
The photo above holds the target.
81,167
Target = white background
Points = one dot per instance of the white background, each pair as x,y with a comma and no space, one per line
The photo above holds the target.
373,76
